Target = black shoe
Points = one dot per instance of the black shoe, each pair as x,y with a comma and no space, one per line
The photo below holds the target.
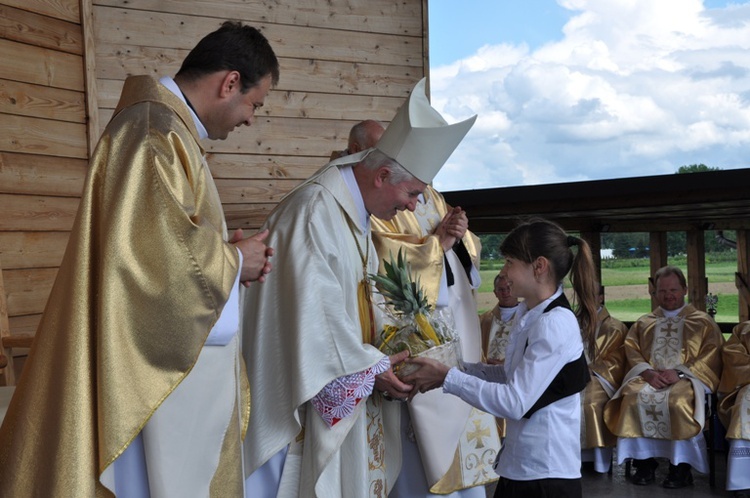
679,476
645,472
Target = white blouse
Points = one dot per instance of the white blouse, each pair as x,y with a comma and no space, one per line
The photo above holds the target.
547,445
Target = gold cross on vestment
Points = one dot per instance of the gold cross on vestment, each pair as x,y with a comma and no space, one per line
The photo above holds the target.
478,434
668,330
652,412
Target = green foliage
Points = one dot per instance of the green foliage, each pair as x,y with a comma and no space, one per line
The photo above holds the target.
696,168
635,244
491,245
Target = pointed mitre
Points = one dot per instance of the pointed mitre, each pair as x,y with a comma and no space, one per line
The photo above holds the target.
419,139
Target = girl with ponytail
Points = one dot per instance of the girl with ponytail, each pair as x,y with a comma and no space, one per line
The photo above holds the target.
537,389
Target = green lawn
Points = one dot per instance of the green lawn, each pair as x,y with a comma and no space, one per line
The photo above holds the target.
630,275
715,272
629,310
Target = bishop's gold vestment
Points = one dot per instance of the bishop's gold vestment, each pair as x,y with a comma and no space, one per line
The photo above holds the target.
144,278
691,343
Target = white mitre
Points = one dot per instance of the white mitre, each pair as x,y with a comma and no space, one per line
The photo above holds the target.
419,139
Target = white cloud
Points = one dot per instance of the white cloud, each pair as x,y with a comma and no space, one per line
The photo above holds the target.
631,88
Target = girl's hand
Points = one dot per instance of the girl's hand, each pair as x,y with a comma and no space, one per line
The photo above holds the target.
431,375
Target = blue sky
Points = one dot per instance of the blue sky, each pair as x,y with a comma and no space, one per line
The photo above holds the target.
570,90
457,32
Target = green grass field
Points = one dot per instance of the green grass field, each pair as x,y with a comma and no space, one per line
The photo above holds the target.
636,275
629,310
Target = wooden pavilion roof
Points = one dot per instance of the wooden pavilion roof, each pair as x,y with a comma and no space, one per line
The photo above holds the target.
717,200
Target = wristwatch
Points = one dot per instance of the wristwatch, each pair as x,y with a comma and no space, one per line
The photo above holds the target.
680,374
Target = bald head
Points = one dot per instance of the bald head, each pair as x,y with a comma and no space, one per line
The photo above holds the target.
364,135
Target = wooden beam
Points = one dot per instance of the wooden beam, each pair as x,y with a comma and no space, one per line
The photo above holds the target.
24,26
658,256
36,213
696,268
41,66
27,135
371,16
163,30
35,174
26,250
742,277
66,10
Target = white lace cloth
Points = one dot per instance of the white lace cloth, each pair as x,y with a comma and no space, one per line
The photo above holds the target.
339,397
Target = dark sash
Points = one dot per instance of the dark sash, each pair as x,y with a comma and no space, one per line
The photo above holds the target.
571,379
463,256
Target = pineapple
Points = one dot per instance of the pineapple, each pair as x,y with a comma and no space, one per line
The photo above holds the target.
407,299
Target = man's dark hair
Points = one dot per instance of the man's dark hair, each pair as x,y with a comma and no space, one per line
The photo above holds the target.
233,47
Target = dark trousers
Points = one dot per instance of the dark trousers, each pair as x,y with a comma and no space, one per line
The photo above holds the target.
540,488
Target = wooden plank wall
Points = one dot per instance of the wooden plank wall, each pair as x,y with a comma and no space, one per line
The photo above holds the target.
43,147
341,61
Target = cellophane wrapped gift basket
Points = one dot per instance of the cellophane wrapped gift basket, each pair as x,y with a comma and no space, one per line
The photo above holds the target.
410,323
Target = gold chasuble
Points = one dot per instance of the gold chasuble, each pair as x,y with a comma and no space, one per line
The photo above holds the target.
457,443
690,343
734,408
144,278
608,369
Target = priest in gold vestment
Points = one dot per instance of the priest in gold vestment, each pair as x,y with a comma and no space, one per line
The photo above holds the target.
673,359
734,408
607,369
134,385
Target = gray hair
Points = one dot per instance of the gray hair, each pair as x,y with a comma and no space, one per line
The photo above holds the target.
376,159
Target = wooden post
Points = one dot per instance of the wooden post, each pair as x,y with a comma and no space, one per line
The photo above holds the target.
658,254
5,351
594,241
742,277
696,268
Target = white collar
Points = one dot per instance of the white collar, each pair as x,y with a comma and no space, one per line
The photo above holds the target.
506,313
347,173
673,313
172,87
